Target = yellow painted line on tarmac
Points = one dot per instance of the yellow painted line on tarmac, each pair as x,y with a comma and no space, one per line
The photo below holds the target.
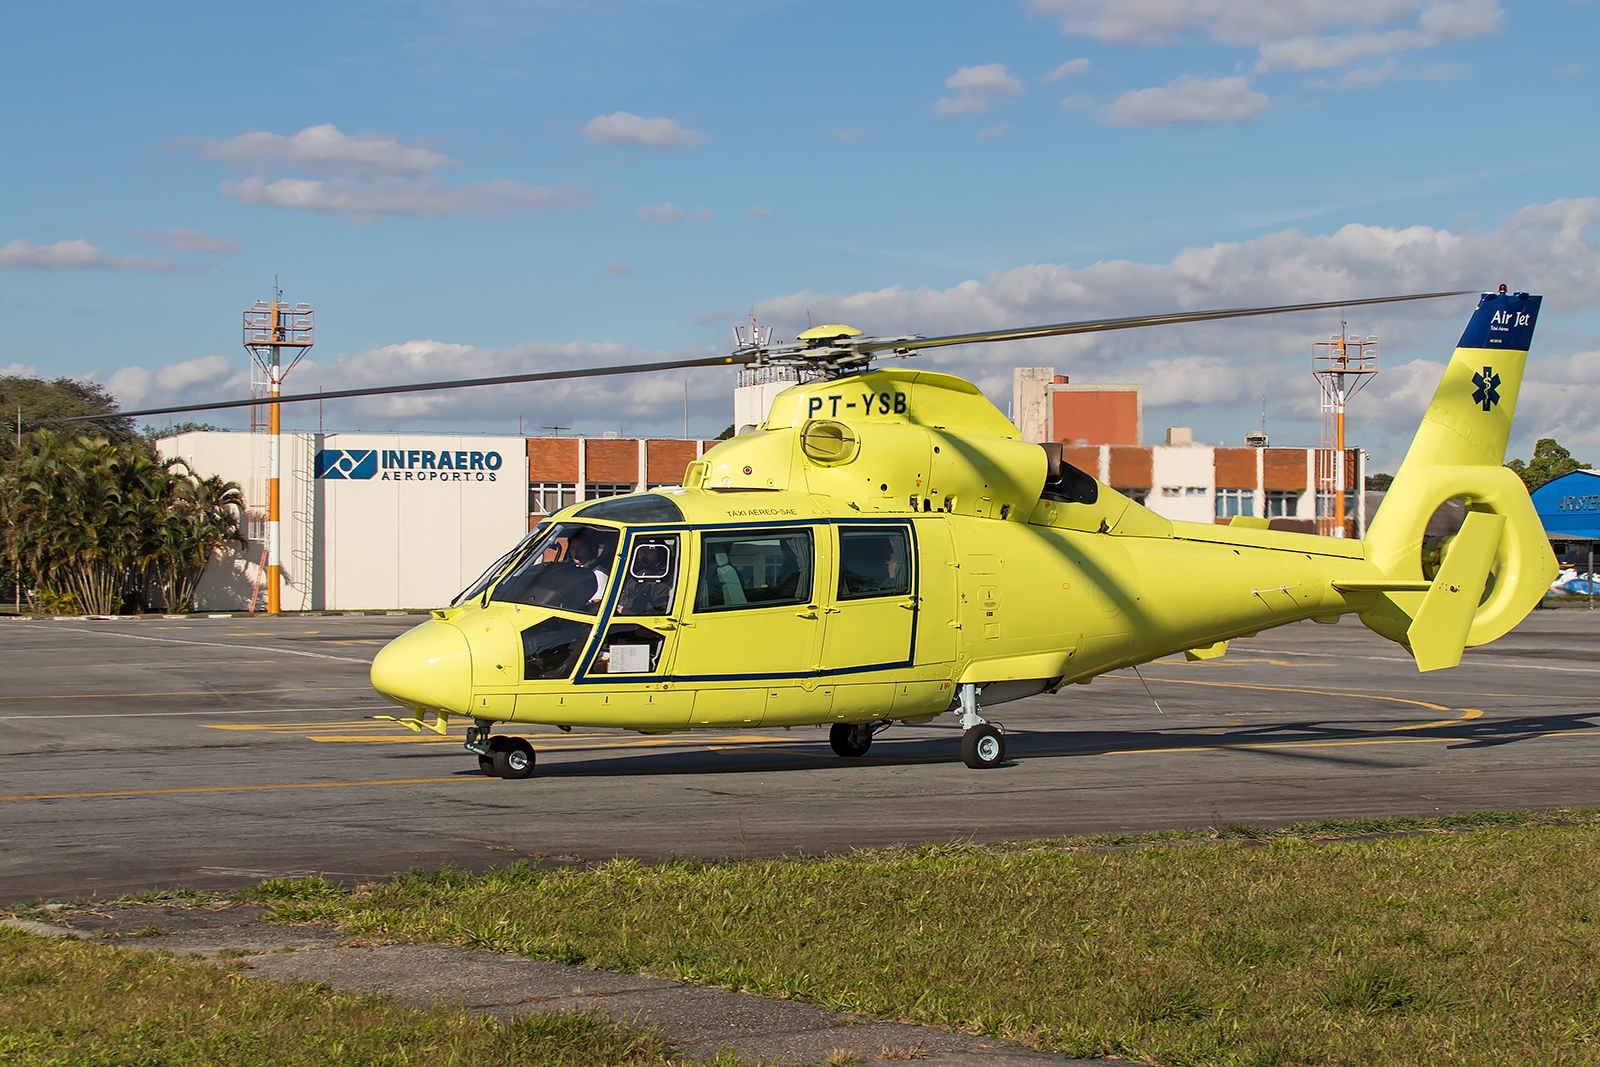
1309,692
1467,715
1326,744
244,788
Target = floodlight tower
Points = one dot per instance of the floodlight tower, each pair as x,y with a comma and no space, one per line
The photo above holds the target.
269,328
1342,365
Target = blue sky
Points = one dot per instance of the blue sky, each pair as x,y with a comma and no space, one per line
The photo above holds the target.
464,188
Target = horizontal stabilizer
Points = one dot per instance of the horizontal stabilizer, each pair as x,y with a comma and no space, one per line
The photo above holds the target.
1438,631
1206,652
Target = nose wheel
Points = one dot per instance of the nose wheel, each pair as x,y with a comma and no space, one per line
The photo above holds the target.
500,756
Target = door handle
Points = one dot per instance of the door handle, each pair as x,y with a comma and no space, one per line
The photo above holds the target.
805,614
831,611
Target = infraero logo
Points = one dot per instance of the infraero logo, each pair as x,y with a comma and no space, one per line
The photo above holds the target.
347,464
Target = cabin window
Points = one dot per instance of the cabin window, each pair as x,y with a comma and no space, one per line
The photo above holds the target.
874,561
567,569
629,649
550,649
650,577
754,569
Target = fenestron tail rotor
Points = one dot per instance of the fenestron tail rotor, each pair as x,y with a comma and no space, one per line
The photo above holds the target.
833,349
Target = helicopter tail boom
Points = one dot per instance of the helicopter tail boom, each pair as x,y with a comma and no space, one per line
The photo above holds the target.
1486,578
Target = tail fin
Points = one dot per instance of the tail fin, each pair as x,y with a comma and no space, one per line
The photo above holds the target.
1460,451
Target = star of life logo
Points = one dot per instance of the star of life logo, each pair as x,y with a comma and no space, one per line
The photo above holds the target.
347,464
1488,391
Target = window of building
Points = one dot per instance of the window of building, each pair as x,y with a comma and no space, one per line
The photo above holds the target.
547,498
1231,502
1138,496
754,568
1172,490
1195,490
874,561
1325,504
1282,503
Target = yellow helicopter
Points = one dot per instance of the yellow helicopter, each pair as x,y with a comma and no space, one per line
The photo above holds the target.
885,548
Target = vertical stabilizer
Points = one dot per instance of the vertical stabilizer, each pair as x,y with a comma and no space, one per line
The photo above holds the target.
1460,451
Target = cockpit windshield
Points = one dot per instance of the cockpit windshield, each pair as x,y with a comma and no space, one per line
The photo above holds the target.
499,566
567,568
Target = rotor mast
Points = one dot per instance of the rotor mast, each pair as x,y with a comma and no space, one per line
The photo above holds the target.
269,328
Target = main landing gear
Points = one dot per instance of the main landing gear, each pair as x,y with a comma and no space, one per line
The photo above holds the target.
983,743
499,756
851,739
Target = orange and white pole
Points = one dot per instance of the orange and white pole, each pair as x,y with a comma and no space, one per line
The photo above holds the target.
273,460
1338,464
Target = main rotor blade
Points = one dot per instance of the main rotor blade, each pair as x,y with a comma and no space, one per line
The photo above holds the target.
423,387
1102,325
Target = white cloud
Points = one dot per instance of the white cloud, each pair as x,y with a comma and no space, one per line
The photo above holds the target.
635,403
619,270
324,150
758,213
979,88
182,239
625,128
192,380
1189,99
994,133
1068,69
366,201
1550,248
1437,24
81,255
20,370
1290,34
668,212
1362,77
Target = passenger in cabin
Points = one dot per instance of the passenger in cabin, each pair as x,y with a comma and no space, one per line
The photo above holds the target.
870,565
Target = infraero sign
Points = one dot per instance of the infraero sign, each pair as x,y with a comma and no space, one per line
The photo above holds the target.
407,465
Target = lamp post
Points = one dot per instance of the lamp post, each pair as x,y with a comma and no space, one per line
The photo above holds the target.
269,328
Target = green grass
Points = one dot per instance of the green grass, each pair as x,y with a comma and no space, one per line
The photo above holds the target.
63,1002
1368,942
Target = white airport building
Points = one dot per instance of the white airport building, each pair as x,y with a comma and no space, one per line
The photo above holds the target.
369,521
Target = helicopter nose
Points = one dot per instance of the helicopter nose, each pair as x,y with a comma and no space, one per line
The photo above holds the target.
427,667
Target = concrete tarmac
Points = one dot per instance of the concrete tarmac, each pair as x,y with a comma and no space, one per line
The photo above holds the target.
212,753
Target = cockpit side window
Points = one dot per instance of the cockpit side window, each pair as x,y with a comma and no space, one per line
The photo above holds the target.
874,561
650,577
754,569
566,569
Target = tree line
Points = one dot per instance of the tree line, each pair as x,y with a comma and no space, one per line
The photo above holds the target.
96,522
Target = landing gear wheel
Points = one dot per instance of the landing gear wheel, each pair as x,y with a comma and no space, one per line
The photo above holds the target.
512,757
983,746
850,739
486,765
